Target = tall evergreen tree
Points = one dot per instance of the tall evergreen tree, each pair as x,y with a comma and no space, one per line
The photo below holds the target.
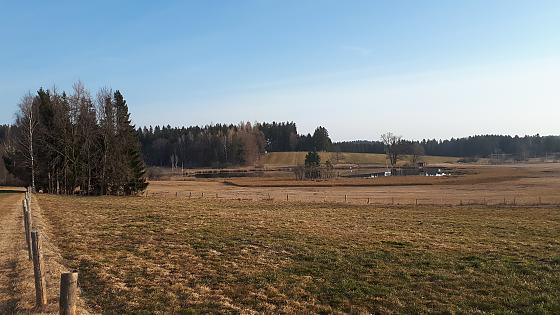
321,139
134,179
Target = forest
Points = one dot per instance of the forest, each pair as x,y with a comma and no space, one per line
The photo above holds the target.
473,146
244,144
75,143
225,145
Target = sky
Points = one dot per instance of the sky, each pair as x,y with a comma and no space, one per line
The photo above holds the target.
420,69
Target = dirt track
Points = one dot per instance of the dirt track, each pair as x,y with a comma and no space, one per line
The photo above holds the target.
17,290
10,244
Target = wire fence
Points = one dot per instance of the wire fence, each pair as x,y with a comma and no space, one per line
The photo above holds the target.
361,198
69,280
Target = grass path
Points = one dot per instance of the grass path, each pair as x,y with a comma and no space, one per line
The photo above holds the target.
17,289
10,240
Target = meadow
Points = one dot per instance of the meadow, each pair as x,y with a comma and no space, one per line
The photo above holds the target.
178,255
522,184
238,246
298,158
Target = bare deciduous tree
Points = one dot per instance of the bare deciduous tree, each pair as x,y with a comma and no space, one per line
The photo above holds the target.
392,144
27,121
416,151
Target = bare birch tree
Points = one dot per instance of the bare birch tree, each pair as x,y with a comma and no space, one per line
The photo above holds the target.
27,122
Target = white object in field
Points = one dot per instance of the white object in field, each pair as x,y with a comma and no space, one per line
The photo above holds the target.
387,173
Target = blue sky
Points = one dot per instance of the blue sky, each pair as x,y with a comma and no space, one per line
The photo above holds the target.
423,69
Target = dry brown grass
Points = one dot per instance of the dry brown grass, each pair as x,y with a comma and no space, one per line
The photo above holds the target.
8,250
17,290
337,182
526,184
298,158
171,255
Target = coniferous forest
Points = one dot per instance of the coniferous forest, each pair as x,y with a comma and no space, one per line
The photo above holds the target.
225,145
243,144
473,146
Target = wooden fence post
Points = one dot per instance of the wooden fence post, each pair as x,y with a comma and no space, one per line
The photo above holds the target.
345,198
27,202
68,293
368,200
27,230
38,271
287,197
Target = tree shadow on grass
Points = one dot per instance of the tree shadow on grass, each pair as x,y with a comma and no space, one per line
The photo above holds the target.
11,190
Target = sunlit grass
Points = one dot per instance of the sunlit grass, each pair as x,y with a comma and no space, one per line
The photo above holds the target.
179,255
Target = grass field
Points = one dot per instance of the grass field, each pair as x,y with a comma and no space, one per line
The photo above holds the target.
175,255
527,184
298,158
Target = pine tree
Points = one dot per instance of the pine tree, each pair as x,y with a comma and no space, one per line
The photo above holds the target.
312,164
312,159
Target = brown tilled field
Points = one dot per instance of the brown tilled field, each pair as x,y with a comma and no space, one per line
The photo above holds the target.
174,255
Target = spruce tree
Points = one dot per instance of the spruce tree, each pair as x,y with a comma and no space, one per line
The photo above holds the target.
321,139
134,170
137,182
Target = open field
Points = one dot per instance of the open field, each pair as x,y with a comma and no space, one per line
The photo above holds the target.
527,184
298,158
236,245
172,255
278,164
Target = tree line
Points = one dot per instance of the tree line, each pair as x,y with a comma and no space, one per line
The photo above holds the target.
75,143
222,145
473,146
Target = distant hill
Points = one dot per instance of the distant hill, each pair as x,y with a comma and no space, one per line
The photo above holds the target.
295,158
